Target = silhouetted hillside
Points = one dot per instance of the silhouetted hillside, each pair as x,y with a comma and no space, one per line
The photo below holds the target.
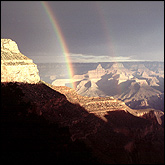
39,125
26,136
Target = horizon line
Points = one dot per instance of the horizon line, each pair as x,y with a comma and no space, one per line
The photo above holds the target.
106,62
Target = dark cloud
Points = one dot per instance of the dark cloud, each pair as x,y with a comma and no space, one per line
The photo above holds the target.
90,27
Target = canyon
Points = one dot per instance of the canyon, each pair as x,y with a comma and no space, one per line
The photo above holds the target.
139,84
41,122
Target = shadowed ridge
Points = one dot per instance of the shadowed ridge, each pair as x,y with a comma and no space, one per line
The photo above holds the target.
101,105
118,139
32,130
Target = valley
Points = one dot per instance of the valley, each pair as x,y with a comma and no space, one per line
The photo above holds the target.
139,84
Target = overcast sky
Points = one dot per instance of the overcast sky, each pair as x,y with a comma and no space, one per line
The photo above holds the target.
94,31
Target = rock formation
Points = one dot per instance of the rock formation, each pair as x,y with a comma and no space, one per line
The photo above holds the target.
136,85
15,67
97,73
100,106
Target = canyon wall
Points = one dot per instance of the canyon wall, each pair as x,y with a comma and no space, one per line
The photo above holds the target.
15,67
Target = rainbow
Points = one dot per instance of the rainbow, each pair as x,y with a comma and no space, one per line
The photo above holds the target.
60,37
106,29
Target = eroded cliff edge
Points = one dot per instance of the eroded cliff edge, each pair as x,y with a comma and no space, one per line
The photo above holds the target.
15,67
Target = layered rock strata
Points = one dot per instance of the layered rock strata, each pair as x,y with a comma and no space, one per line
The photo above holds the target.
15,67
101,106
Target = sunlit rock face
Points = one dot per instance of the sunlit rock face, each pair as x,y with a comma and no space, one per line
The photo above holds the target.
101,106
97,73
15,67
139,85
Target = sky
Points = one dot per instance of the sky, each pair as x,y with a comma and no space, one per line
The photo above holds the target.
92,31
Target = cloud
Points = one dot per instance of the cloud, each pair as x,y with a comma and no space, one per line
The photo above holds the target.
48,59
93,58
89,58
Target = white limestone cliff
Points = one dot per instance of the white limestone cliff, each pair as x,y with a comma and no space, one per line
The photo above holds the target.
15,67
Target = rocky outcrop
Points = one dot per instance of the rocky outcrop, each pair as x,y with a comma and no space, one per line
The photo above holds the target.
15,67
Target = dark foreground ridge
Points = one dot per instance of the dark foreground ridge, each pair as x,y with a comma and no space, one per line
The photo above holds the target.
40,125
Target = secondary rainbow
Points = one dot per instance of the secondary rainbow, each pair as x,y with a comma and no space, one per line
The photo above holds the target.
107,31
61,39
